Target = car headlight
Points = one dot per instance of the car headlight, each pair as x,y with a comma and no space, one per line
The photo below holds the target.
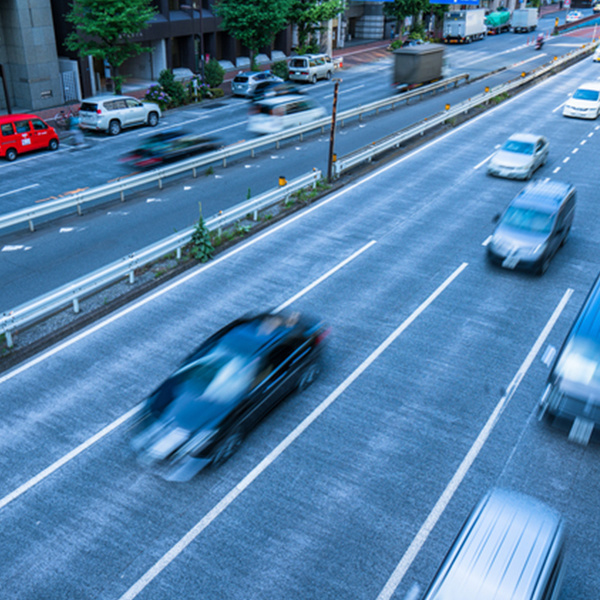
533,250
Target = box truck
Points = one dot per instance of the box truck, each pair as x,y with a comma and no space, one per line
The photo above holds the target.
417,65
524,19
463,26
498,22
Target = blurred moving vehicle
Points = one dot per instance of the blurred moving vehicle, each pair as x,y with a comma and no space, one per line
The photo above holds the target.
203,411
519,156
534,226
283,112
573,15
269,89
112,113
572,392
417,65
596,57
245,83
464,26
25,133
311,67
585,102
511,547
168,146
596,7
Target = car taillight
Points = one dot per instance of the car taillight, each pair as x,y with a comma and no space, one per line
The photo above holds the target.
322,335
303,72
148,162
98,111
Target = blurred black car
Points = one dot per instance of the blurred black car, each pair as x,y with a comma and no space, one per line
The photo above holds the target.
269,89
202,412
168,146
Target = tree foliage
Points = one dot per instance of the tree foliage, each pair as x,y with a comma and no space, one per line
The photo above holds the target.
104,29
308,15
406,8
253,22
214,73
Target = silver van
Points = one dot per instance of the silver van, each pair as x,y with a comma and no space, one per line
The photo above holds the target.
510,547
272,115
534,226
310,67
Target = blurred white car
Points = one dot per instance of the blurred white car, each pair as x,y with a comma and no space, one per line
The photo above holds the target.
272,115
573,15
245,83
520,156
597,53
585,102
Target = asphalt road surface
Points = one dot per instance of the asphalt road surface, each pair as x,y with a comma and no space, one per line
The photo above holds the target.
427,399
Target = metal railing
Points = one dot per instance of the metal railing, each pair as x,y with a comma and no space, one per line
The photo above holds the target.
369,152
118,188
73,292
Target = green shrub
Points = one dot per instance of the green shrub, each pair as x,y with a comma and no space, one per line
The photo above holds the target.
155,93
174,89
215,93
214,73
280,68
202,248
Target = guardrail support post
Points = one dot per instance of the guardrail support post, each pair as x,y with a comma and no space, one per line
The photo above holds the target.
194,172
178,253
301,137
252,153
160,183
31,227
9,340
75,305
79,209
122,196
224,161
131,276
255,215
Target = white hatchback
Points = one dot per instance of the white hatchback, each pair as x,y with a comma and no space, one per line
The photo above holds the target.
585,102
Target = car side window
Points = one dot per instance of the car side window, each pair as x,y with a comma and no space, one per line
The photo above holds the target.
120,104
38,124
109,105
131,103
22,126
312,63
7,129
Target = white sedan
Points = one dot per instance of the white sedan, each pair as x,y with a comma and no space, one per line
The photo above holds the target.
520,156
585,102
573,15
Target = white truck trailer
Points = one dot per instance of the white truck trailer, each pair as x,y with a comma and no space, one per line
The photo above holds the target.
524,19
464,26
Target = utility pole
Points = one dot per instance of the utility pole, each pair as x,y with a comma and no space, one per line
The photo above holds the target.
332,133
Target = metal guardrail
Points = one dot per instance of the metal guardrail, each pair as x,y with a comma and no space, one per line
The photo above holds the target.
73,292
77,200
367,153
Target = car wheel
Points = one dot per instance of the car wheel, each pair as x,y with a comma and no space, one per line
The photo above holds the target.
314,79
529,174
11,154
328,75
309,375
114,127
227,448
53,145
153,119
564,240
544,266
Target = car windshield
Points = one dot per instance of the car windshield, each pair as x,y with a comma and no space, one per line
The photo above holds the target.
580,361
582,94
219,377
519,147
528,219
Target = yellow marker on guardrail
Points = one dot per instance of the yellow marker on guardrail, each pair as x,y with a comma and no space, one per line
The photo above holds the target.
282,181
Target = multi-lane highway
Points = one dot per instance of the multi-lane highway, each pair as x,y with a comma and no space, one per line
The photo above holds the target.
73,246
356,487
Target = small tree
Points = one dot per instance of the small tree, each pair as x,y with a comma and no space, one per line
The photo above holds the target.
202,248
214,73
105,29
308,15
280,68
253,22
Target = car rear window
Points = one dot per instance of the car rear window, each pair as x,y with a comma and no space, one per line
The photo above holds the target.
240,79
89,107
298,63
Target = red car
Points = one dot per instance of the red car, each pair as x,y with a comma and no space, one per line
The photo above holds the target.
25,133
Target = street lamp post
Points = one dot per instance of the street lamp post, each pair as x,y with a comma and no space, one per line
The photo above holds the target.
192,8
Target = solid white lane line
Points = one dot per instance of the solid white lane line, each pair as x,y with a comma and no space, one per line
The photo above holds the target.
443,501
329,273
122,419
193,533
559,106
487,240
483,161
67,457
27,187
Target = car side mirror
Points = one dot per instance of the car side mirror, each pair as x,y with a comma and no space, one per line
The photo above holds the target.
496,218
548,355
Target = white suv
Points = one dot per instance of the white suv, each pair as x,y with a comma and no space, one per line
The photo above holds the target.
112,113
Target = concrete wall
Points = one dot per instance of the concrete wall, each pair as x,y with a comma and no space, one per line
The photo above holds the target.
28,50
